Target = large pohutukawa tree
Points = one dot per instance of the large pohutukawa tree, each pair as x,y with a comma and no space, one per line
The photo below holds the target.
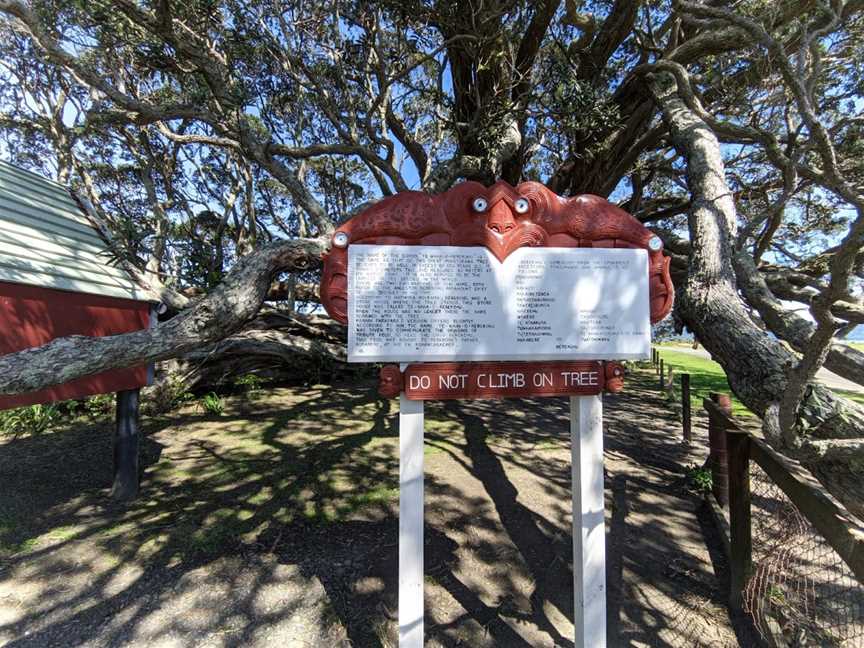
217,143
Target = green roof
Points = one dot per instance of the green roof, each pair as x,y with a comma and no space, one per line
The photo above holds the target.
47,241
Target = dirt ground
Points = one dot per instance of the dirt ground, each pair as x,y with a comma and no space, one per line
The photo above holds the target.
275,524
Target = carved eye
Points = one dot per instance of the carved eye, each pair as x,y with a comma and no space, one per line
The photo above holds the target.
479,205
521,205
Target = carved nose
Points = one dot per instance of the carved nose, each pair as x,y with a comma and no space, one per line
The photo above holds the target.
500,219
500,228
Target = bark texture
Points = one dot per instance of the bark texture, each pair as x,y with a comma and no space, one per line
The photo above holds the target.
275,346
763,288
708,301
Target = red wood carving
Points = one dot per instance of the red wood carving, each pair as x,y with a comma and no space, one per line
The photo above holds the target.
474,380
501,218
390,381
614,377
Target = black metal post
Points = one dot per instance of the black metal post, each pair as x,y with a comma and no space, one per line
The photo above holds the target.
126,445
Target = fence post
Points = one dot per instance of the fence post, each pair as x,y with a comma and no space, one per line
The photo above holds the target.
740,532
717,446
685,406
661,375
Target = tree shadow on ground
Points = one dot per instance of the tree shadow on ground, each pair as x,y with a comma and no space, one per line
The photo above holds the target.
281,525
545,553
221,488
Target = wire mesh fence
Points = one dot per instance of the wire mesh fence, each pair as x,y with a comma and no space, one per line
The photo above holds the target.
801,592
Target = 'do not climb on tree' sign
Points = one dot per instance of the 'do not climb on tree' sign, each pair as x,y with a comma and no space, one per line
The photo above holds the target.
495,292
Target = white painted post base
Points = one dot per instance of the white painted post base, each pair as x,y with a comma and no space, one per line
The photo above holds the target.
589,531
410,523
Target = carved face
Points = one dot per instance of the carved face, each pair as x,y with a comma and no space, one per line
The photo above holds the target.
390,381
498,217
501,209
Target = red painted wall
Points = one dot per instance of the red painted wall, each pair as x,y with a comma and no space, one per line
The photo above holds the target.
31,316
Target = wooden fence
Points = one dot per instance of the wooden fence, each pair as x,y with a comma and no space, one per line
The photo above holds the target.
667,383
796,555
737,449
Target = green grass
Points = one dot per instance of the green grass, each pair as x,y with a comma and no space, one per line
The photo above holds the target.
13,536
855,396
706,376
8,549
676,343
319,454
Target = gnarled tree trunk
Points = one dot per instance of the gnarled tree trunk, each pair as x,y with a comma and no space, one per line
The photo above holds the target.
275,347
829,428
220,314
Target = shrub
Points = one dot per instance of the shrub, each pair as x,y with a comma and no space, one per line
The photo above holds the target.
167,395
99,405
212,404
699,479
34,419
250,384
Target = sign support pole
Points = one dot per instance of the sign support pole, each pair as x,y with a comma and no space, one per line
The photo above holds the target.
410,522
589,530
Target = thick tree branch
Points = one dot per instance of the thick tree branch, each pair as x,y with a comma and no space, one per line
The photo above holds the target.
755,364
616,27
794,329
289,290
414,148
448,172
214,317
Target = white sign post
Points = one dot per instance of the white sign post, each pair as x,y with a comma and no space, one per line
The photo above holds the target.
589,530
410,523
440,303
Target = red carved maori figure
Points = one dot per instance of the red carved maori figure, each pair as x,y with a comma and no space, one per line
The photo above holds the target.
501,218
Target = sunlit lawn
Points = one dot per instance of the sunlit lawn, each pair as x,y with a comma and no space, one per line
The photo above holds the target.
707,376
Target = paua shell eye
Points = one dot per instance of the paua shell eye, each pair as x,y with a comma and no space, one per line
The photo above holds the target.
521,205
340,239
479,205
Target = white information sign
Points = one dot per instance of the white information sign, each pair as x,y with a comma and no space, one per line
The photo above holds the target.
443,303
